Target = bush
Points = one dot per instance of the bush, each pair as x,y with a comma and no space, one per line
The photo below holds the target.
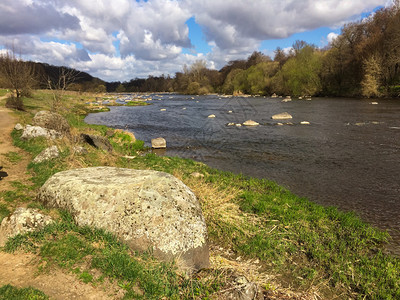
15,103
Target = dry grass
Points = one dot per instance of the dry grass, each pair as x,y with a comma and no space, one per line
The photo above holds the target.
219,206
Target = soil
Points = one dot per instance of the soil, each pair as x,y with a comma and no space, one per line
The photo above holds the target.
21,269
15,171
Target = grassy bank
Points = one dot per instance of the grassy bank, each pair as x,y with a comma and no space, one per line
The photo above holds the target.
257,228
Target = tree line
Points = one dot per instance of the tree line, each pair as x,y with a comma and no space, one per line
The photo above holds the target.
364,60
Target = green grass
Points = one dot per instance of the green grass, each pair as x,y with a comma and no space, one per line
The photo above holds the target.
13,157
305,245
21,193
4,211
9,292
66,245
3,92
33,146
136,103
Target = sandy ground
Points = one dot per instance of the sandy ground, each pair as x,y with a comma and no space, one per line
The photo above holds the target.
21,269
16,171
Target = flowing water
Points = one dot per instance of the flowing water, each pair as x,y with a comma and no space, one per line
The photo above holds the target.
348,156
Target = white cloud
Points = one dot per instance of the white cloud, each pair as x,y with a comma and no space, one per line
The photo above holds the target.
33,17
156,30
230,25
124,39
331,37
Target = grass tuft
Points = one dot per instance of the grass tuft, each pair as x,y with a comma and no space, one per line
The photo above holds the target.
9,292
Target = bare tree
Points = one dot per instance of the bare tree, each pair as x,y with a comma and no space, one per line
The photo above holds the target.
18,75
60,83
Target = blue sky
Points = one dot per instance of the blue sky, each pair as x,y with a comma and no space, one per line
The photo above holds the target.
125,39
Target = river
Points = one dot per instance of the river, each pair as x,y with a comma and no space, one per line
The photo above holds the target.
348,156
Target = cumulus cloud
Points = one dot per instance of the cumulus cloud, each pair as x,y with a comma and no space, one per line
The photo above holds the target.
46,51
24,17
156,30
331,37
114,68
123,39
230,25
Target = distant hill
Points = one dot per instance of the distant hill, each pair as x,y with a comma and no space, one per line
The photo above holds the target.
75,80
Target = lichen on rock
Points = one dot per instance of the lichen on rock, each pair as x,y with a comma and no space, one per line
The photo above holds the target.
146,209
23,220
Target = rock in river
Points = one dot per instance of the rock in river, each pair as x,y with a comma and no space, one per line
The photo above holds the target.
159,143
144,208
282,116
250,123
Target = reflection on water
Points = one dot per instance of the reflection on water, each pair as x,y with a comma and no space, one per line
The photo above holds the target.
348,156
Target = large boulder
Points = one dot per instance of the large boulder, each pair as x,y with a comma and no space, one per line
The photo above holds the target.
51,120
31,132
146,209
23,220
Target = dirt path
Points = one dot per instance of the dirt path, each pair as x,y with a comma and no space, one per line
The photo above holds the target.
21,270
15,171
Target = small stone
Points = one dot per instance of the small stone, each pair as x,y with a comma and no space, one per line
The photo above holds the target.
243,289
231,124
211,116
79,150
159,143
18,127
31,132
163,109
238,125
97,141
250,123
282,116
23,220
374,103
305,123
230,111
197,175
47,154
279,124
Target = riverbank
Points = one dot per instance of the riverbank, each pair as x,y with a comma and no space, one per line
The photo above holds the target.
290,247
